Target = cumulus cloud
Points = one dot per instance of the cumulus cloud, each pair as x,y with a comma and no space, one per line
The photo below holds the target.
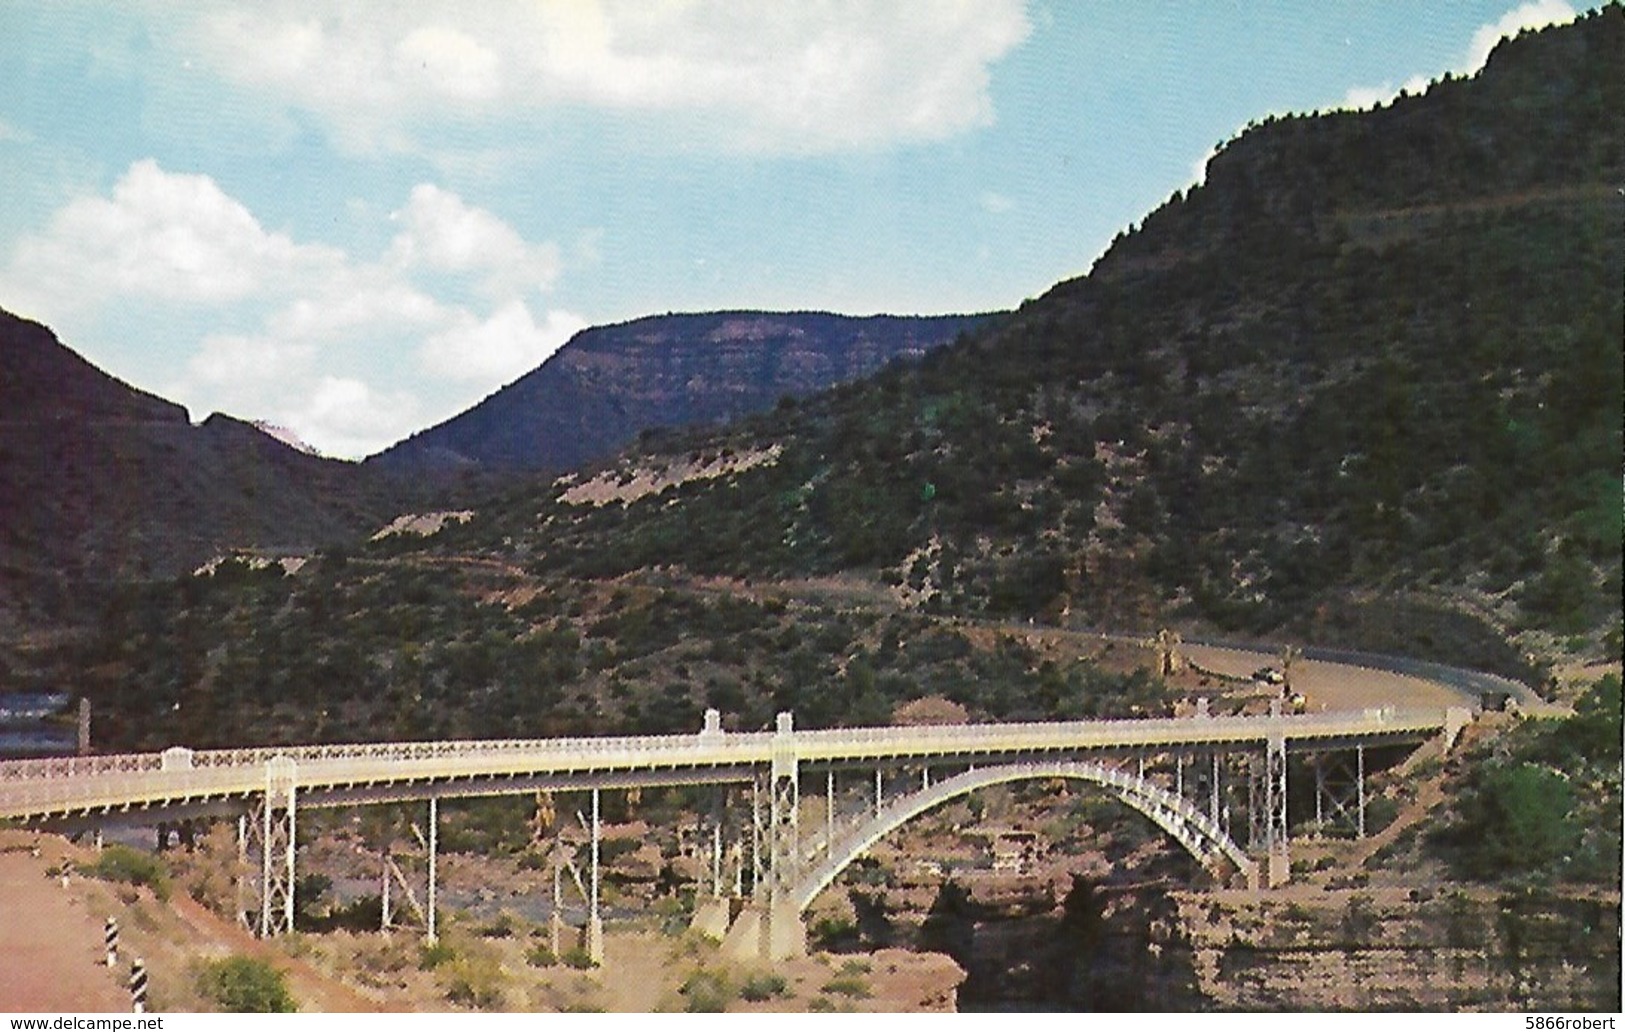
500,348
442,233
1536,14
771,77
352,416
163,235
351,352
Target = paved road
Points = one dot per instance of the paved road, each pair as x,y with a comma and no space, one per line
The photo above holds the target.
1344,678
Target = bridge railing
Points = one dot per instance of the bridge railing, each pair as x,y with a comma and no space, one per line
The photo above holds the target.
78,766
91,766
810,744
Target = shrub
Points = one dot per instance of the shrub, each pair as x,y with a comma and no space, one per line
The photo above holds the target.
761,987
474,983
246,985
1516,821
500,927
436,954
540,955
854,986
578,958
706,992
122,864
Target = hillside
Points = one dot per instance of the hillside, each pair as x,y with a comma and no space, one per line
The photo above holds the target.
100,482
1364,384
610,383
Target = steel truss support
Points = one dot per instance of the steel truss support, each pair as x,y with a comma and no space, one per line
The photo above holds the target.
1219,813
392,878
1275,764
431,929
1340,790
760,791
1257,823
266,840
562,864
786,804
595,919
829,810
719,820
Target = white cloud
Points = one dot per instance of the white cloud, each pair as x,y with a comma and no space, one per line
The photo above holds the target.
441,233
771,77
500,348
346,416
160,235
1199,166
1536,14
228,360
351,352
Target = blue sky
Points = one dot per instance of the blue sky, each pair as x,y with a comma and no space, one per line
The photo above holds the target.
358,219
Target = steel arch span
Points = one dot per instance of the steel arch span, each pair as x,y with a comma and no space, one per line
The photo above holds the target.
1193,829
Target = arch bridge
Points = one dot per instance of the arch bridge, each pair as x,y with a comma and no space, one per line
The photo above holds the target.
1197,778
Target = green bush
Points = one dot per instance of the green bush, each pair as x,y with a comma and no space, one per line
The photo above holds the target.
706,992
1517,821
435,954
854,986
122,864
246,985
577,957
500,927
474,983
540,955
761,987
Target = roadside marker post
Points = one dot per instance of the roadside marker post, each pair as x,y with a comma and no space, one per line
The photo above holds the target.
138,986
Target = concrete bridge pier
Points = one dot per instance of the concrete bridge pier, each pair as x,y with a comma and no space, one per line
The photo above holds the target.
766,931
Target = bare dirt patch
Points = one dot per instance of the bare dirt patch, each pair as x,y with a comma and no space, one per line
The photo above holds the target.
628,485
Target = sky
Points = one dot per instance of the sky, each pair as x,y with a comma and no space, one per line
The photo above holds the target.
357,219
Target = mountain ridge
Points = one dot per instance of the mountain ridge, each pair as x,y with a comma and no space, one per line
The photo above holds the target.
101,481
610,383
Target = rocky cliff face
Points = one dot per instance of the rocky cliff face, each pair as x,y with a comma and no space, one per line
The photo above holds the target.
1151,946
1397,949
611,383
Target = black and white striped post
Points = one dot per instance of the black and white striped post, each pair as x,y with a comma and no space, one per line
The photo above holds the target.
110,933
66,871
138,986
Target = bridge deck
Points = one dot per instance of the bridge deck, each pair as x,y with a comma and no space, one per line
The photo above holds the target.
337,774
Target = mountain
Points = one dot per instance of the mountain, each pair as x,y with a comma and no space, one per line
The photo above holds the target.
100,481
1362,387
610,383
1371,367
